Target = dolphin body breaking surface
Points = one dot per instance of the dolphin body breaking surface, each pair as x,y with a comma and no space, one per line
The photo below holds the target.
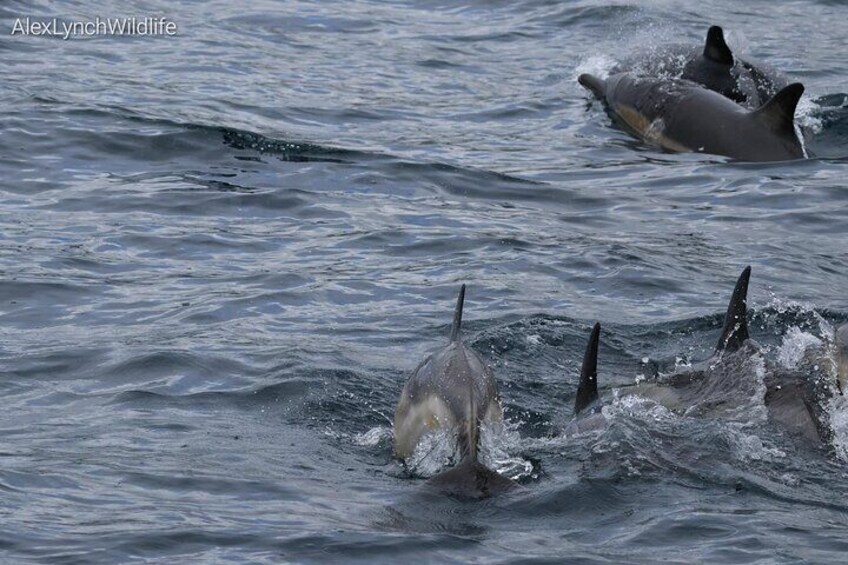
715,67
723,385
452,389
794,401
682,116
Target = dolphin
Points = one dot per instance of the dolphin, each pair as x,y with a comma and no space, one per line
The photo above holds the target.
713,387
587,404
793,400
744,81
797,400
452,389
680,115
714,66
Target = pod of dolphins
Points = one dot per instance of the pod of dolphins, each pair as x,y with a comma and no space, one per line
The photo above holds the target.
687,100
453,389
704,102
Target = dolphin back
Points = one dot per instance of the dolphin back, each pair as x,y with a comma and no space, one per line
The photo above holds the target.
469,429
841,355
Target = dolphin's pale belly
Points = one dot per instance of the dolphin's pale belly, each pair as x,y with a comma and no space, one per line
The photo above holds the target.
652,130
414,419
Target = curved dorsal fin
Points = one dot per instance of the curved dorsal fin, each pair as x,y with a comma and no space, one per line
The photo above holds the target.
735,330
716,49
457,316
587,390
779,111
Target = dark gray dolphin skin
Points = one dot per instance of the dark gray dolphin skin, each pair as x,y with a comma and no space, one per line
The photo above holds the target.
746,82
679,115
587,390
714,66
452,389
587,405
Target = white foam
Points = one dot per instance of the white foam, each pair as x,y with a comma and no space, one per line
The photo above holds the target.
598,65
838,412
533,339
435,451
750,447
373,437
438,450
795,344
807,115
496,443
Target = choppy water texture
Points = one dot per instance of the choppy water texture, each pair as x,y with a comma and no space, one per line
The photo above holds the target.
222,253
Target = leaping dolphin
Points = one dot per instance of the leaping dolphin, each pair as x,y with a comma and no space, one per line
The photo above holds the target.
452,389
679,115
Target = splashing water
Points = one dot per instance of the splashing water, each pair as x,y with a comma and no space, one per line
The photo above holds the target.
795,344
439,449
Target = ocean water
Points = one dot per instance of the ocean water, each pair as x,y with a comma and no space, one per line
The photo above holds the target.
222,252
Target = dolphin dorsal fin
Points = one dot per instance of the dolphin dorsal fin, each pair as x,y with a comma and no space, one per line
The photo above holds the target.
735,330
587,390
779,111
716,49
457,316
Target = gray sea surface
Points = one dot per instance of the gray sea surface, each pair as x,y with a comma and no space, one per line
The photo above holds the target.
223,251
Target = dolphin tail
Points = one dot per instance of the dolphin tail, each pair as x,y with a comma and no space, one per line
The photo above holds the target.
596,85
716,49
587,391
779,111
457,316
735,330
